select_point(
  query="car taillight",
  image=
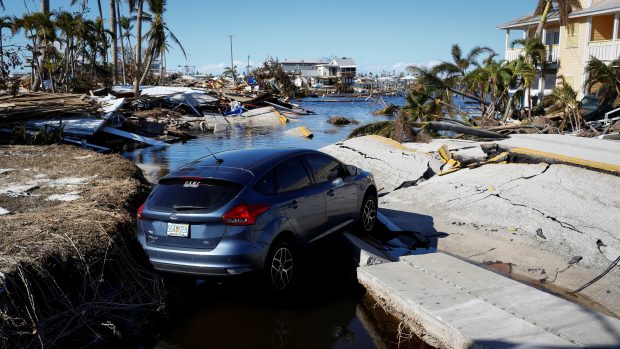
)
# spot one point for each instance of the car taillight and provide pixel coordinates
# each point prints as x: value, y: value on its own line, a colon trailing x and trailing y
x: 244, y: 214
x: 139, y: 215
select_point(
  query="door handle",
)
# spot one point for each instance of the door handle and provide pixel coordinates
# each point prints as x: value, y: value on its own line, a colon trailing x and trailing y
x: 331, y: 192
x: 293, y: 204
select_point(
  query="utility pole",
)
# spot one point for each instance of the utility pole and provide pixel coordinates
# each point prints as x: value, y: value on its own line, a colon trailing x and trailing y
x: 232, y: 65
x: 247, y: 67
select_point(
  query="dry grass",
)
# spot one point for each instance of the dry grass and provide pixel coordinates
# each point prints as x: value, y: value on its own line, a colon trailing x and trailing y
x: 38, y: 228
x: 71, y: 272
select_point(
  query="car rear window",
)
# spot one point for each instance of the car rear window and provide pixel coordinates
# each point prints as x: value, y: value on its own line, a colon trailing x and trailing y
x: 183, y: 195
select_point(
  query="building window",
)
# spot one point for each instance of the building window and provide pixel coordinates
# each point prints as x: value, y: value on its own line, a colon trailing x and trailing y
x: 552, y: 38
x: 550, y: 81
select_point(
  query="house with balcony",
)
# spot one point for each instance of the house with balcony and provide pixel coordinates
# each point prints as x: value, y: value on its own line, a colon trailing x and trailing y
x: 343, y: 70
x: 592, y: 32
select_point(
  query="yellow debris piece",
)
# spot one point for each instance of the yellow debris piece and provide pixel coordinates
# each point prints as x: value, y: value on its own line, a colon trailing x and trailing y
x: 450, y: 165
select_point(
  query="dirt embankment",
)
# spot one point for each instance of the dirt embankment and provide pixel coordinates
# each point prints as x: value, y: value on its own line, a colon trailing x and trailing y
x: 70, y: 268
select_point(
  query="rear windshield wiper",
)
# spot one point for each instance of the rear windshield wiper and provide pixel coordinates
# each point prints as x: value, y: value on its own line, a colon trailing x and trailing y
x: 189, y: 208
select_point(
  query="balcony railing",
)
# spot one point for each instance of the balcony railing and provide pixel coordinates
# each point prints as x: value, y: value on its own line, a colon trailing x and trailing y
x: 605, y: 51
x: 553, y: 54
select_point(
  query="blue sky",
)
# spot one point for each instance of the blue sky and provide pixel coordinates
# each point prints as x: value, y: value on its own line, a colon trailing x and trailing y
x: 378, y: 34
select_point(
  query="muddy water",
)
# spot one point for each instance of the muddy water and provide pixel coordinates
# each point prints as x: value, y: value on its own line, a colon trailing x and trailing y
x: 326, y: 310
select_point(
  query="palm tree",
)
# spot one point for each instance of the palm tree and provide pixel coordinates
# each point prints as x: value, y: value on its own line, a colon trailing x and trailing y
x: 491, y: 80
x: 565, y: 98
x: 104, y: 42
x: 605, y: 77
x: 534, y: 53
x: 139, y: 6
x: 432, y: 77
x: 125, y: 28
x: 158, y: 36
x: 40, y: 28
x: 455, y: 73
x: 230, y: 71
x: 564, y: 8
x: 120, y: 37
x: 113, y: 31
x: 422, y: 103
x: 523, y: 75
x: 460, y: 65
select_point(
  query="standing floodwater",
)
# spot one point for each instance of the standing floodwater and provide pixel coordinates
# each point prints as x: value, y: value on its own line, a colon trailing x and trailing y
x: 241, y: 137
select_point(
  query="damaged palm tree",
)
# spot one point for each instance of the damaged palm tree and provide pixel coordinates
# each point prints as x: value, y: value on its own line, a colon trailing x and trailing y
x: 562, y: 7
x: 604, y: 79
x: 564, y: 97
x: 272, y: 77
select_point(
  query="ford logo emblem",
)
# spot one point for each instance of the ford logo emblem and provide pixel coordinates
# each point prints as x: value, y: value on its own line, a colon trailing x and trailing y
x: 174, y: 217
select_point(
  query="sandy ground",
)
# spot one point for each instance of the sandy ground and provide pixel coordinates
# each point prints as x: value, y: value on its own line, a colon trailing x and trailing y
x: 555, y: 225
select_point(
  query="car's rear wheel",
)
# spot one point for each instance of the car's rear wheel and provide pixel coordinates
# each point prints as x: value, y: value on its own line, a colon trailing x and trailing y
x: 368, y: 213
x: 280, y: 266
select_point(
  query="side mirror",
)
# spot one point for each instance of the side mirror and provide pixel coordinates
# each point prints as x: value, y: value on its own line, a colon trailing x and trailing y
x: 353, y: 171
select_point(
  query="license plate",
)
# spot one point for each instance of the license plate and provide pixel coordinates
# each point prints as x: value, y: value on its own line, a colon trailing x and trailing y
x: 178, y: 230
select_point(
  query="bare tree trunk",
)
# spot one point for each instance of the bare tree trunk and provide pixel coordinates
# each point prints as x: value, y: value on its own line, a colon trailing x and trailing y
x: 543, y: 20
x: 136, y: 81
x: 147, y: 67
x: 1, y: 53
x: 120, y: 35
x: 114, y: 42
x: 38, y: 77
x: 104, y: 43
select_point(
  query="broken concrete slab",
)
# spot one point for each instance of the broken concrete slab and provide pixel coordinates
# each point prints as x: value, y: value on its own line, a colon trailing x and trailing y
x: 68, y: 181
x: 453, y: 304
x: 70, y: 196
x: 4, y: 211
x: 19, y: 189
x: 494, y: 213
x: 390, y: 162
x: 6, y: 170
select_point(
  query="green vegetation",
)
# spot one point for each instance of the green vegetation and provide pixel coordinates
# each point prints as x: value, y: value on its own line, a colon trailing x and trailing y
x: 71, y: 51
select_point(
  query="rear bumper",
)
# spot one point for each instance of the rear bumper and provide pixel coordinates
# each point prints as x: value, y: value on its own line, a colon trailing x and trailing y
x: 228, y: 258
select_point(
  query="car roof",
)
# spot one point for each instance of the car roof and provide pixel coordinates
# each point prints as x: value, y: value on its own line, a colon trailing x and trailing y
x: 237, y: 165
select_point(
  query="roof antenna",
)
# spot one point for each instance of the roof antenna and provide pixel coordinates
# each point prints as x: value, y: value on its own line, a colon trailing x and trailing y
x: 219, y: 161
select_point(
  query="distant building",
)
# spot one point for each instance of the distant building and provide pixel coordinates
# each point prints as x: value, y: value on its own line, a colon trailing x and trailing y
x: 322, y: 73
x: 342, y: 70
x: 303, y: 67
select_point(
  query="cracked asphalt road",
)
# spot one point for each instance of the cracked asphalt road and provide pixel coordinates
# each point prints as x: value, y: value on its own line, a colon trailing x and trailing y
x: 494, y: 213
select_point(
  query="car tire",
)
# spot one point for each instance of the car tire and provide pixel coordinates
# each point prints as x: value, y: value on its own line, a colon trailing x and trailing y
x: 368, y: 214
x: 280, y: 266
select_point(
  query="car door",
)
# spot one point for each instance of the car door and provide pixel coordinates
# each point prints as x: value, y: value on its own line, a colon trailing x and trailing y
x: 339, y: 188
x: 302, y: 203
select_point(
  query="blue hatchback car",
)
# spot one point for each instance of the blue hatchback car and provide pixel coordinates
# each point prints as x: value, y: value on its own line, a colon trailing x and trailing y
x: 241, y: 211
